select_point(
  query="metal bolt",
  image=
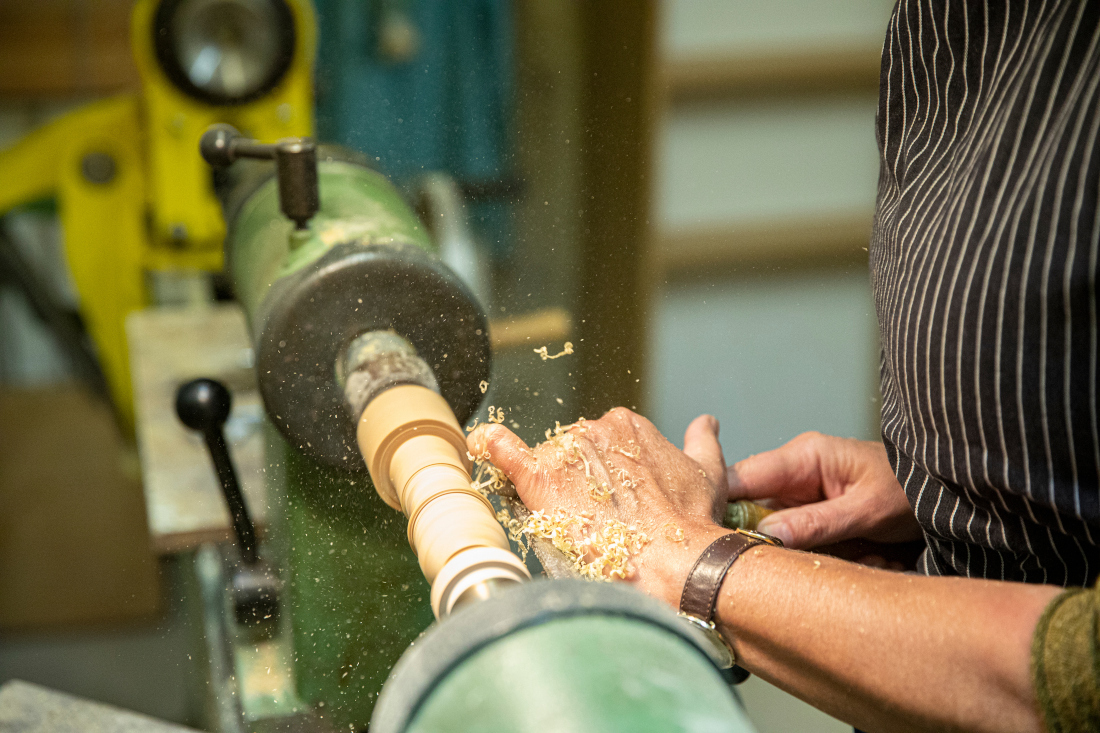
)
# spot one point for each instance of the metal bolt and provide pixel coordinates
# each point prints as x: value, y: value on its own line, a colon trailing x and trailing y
x: 98, y: 168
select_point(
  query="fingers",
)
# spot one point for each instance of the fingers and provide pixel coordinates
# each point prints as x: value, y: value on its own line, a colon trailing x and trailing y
x: 813, y: 525
x: 701, y: 444
x: 792, y: 468
x: 506, y: 450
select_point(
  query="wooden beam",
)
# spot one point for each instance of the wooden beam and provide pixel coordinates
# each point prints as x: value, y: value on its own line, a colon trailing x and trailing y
x: 762, y: 247
x: 619, y: 107
x: 720, y: 78
x: 60, y: 48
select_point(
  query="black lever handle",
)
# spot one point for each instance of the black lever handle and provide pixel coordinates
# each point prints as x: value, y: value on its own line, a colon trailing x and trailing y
x: 203, y: 405
x: 295, y: 163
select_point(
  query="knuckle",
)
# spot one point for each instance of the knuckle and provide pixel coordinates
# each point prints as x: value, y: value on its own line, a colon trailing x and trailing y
x: 810, y: 437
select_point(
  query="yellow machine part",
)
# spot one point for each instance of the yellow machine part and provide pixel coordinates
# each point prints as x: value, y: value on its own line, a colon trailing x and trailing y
x: 158, y: 210
x: 104, y: 223
x: 184, y: 210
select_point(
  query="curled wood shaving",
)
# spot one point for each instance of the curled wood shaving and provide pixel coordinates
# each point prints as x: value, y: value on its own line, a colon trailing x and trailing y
x: 544, y: 354
x: 634, y: 451
x: 599, y: 490
x: 624, y: 478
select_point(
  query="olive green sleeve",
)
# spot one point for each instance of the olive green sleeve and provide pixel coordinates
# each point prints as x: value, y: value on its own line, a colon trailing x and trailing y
x: 1065, y: 662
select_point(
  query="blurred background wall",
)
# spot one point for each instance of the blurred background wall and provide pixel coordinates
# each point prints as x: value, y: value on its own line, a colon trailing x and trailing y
x: 765, y: 185
x: 765, y: 176
x: 85, y: 606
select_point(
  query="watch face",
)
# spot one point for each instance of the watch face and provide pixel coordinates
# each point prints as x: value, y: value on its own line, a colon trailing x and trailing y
x: 721, y: 654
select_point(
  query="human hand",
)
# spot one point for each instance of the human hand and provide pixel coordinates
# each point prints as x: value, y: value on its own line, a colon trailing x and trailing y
x: 828, y: 490
x: 621, y: 469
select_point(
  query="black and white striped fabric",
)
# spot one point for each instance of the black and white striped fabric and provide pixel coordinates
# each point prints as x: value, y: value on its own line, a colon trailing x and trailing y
x: 984, y: 263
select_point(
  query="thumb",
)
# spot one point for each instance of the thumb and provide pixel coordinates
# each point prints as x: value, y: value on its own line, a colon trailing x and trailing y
x: 814, y: 525
x: 789, y: 470
x: 505, y: 450
x: 701, y: 445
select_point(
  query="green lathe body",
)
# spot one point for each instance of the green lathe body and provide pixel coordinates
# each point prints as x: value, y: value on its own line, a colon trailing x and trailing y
x: 356, y: 597
x: 357, y: 204
x: 618, y: 676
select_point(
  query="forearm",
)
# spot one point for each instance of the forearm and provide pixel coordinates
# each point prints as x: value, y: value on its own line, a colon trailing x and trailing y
x: 882, y: 650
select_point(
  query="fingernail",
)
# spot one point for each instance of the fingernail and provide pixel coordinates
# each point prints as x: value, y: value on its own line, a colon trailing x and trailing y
x: 478, y: 441
x: 779, y: 530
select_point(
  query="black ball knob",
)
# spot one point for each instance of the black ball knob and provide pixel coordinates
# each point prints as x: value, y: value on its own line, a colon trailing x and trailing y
x: 216, y: 145
x: 203, y: 404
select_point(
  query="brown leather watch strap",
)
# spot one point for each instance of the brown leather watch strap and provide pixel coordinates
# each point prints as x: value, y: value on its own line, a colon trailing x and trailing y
x: 706, y: 576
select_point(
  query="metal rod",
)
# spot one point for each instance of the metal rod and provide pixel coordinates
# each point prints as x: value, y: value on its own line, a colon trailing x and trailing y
x: 242, y: 522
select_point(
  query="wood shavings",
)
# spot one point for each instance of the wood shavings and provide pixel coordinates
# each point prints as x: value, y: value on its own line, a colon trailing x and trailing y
x: 565, y: 451
x: 556, y: 529
x: 544, y: 353
x: 599, y: 490
x: 673, y: 532
x: 470, y: 428
x: 612, y: 544
x: 615, y: 543
x: 484, y: 386
x: 487, y: 478
x: 624, y: 478
x: 513, y: 527
x: 591, y: 550
x: 560, y: 429
x: 482, y: 456
x: 817, y: 564
x: 634, y: 452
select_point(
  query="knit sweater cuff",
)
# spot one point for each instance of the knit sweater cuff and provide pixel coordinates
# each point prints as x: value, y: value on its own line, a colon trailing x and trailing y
x: 1065, y: 662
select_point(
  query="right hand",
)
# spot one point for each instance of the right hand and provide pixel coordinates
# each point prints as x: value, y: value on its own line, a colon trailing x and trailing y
x: 827, y: 490
x: 675, y: 497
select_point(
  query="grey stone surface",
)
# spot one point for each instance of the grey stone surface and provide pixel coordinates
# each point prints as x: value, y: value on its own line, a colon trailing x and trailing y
x: 27, y: 708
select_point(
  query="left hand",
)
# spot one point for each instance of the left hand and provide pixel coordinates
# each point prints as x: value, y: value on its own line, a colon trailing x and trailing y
x: 675, y: 497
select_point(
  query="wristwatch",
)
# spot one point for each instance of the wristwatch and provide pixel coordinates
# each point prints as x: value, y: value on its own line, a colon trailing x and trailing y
x: 700, y: 594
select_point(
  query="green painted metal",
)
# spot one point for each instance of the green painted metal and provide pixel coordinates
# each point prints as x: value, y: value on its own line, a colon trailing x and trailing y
x: 589, y: 674
x: 357, y: 595
x: 357, y: 204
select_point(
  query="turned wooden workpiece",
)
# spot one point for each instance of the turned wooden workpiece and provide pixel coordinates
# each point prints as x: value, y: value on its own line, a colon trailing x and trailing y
x: 416, y: 453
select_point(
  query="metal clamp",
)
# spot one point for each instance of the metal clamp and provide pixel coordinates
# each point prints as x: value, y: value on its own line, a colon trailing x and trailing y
x: 295, y: 165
